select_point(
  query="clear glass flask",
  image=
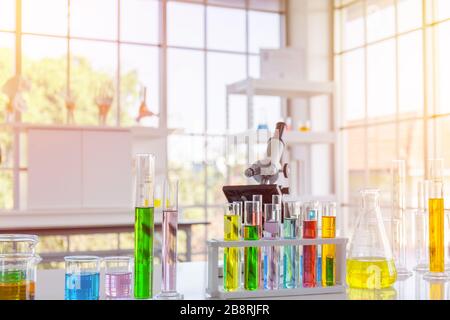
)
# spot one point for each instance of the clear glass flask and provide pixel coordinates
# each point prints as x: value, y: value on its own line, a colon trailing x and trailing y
x: 290, y: 253
x: 232, y: 256
x: 169, y: 245
x: 436, y: 222
x: 144, y: 226
x: 421, y: 227
x: 398, y: 218
x: 118, y: 277
x: 271, y: 255
x: 82, y: 278
x: 252, y: 260
x: 370, y: 264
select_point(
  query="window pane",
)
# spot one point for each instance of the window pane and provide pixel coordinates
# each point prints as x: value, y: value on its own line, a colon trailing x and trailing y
x: 441, y: 128
x: 442, y: 9
x: 217, y: 170
x: 45, y: 65
x: 253, y: 66
x: 139, y: 68
x: 238, y: 114
x: 264, y: 31
x: 353, y: 25
x: 6, y: 190
x: 411, y: 74
x: 226, y: 29
x: 409, y: 14
x: 380, y: 19
x: 266, y: 111
x: 139, y: 21
x: 381, y: 151
x: 45, y: 16
x: 7, y: 57
x: 215, y: 218
x: 7, y: 15
x: 267, y: 5
x: 355, y: 149
x: 185, y: 25
x: 186, y: 85
x: 228, y: 3
x: 186, y: 162
x: 93, y: 73
x: 352, y: 86
x: 443, y: 68
x: 381, y: 80
x: 223, y: 69
x: 93, y: 19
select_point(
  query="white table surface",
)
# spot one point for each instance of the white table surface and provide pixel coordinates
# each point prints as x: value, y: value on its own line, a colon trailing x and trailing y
x: 192, y: 283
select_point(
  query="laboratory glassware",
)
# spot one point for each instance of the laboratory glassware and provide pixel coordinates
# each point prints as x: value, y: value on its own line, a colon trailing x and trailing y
x: 329, y: 250
x: 398, y: 218
x: 421, y: 224
x: 231, y: 256
x: 277, y: 199
x: 290, y: 253
x: 118, y: 277
x: 144, y: 226
x: 370, y: 264
x: 82, y: 278
x: 169, y: 245
x: 436, y: 221
x: 309, y: 274
x: 252, y: 213
x: 259, y: 198
x: 271, y: 254
x: 18, y: 262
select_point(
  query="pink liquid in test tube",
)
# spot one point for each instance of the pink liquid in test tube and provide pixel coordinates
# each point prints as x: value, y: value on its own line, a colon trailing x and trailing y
x: 169, y: 251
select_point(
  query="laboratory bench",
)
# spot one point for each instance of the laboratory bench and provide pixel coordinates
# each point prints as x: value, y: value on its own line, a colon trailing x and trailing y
x: 191, y: 281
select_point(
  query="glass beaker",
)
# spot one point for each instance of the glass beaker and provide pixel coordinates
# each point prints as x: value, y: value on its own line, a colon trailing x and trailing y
x: 18, y: 262
x: 82, y: 278
x: 118, y: 277
x: 370, y: 264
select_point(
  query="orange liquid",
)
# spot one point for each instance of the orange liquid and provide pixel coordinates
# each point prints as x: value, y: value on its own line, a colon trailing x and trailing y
x: 22, y: 290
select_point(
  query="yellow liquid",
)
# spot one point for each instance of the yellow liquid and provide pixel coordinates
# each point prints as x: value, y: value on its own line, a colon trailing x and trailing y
x: 328, y: 252
x: 22, y: 290
x: 157, y: 203
x: 231, y: 255
x: 371, y: 273
x: 436, y: 291
x: 436, y: 225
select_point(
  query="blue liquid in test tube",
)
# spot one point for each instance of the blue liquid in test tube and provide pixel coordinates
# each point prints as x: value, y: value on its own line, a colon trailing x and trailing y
x: 82, y: 286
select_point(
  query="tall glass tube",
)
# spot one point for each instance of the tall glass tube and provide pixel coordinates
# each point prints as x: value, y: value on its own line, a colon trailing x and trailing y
x: 398, y: 219
x: 310, y: 251
x: 271, y: 255
x: 252, y: 213
x: 421, y: 227
x: 259, y: 198
x: 144, y: 227
x: 290, y: 254
x: 329, y: 250
x: 169, y: 245
x: 436, y: 221
x: 231, y: 256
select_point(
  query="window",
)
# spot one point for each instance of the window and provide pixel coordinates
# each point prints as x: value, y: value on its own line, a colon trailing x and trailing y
x: 390, y: 56
x: 81, y: 49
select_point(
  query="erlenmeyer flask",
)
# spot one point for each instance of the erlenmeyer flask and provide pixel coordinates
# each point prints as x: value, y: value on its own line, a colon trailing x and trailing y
x: 370, y: 264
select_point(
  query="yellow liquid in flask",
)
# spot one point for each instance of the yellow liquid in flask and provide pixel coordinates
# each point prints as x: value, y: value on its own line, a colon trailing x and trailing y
x: 371, y: 273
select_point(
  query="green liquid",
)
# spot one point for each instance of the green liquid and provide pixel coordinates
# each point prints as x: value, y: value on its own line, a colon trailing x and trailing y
x: 329, y: 267
x: 12, y: 276
x: 251, y: 259
x: 143, y: 253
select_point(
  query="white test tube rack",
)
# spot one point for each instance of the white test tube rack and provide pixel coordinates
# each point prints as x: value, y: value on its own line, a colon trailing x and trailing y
x: 215, y: 289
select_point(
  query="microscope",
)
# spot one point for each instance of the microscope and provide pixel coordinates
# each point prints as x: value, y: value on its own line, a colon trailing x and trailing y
x: 266, y: 172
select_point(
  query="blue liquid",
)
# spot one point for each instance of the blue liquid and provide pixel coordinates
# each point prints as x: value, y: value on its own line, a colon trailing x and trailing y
x: 82, y: 286
x: 289, y: 254
x: 319, y: 270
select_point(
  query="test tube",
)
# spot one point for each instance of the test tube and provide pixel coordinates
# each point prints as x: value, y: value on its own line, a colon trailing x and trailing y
x: 82, y: 279
x: 272, y: 214
x: 436, y: 221
x: 118, y: 277
x: 398, y: 220
x: 259, y: 198
x: 310, y: 251
x: 252, y: 213
x: 169, y: 244
x: 144, y: 227
x: 231, y: 256
x: 329, y: 250
x: 421, y: 224
x: 290, y: 221
x: 277, y: 199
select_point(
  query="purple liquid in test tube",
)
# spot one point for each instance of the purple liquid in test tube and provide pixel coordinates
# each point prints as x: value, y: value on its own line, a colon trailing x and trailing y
x: 169, y: 245
x: 272, y: 214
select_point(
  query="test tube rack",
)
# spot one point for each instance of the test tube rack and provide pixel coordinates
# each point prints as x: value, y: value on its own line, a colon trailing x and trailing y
x: 215, y: 290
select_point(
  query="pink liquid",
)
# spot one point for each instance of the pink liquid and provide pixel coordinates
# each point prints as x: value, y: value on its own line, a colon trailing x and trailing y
x: 118, y: 285
x: 169, y: 251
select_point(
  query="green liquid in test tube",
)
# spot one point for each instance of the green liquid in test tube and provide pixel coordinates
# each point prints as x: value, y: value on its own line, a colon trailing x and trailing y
x: 144, y: 227
x: 251, y: 254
